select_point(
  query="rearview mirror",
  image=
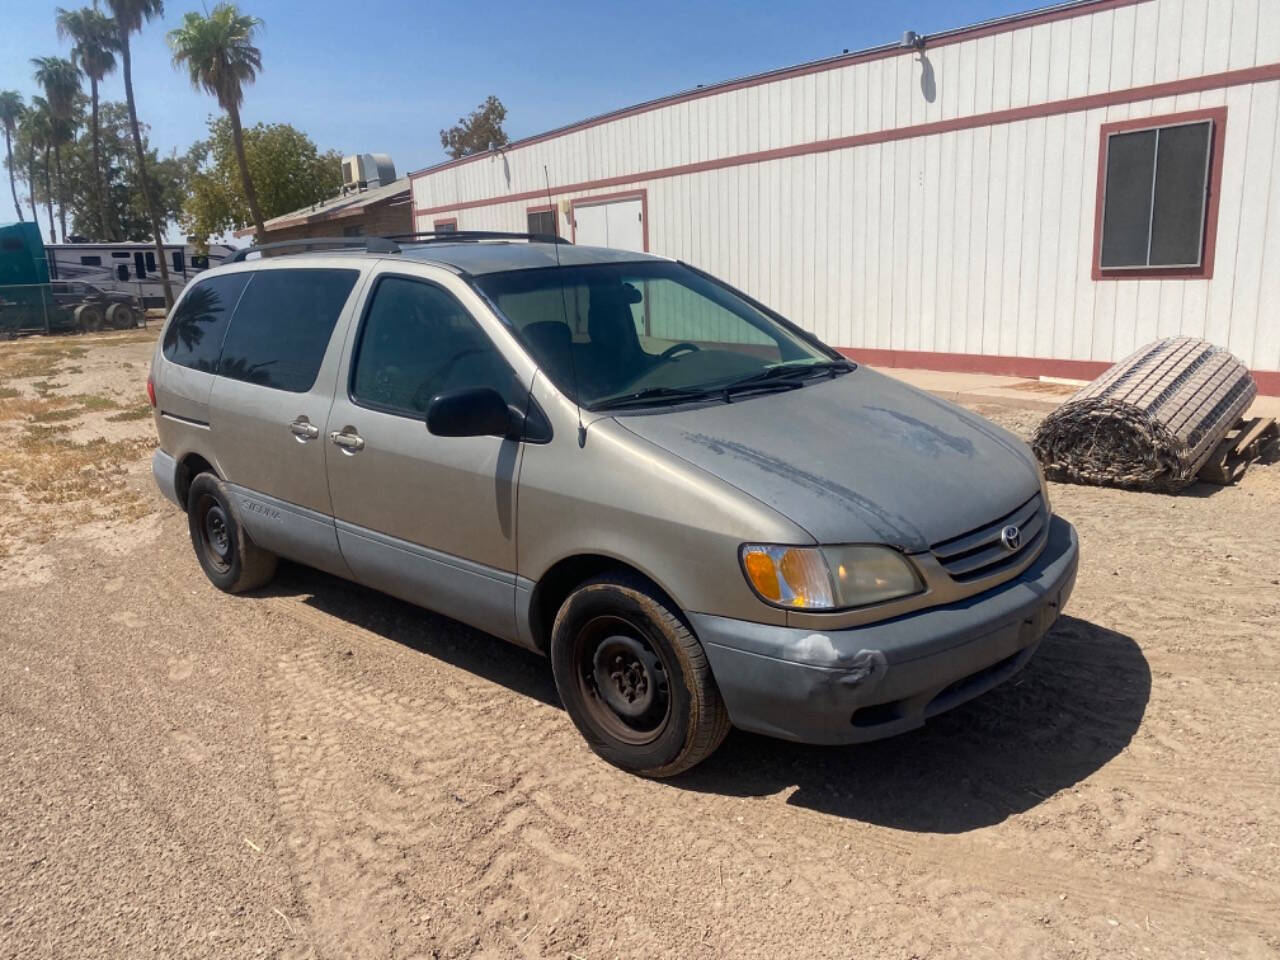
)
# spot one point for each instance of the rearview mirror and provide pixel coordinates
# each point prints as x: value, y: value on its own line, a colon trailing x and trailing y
x: 473, y: 412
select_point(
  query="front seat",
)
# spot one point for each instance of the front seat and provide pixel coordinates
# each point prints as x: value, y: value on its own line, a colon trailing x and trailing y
x: 613, y: 357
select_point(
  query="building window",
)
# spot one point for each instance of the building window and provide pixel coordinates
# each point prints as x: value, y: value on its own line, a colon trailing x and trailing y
x: 178, y: 264
x: 1157, y: 196
x: 151, y: 261
x: 356, y: 231
x: 445, y: 226
x: 91, y: 261
x: 543, y: 222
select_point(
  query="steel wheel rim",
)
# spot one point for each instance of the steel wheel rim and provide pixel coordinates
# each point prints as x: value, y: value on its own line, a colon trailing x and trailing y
x: 215, y: 532
x: 623, y: 679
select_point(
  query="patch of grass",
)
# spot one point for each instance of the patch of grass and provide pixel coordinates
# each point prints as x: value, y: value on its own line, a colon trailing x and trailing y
x: 50, y: 469
x: 8, y: 393
x: 71, y: 371
x: 140, y: 412
x: 43, y: 387
x: 54, y: 416
x: 94, y: 401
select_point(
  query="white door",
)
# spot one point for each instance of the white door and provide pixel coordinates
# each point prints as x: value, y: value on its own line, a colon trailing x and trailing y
x: 618, y: 224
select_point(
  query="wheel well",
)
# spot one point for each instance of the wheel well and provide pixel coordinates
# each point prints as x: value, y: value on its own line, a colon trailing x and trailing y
x: 190, y: 467
x: 557, y: 583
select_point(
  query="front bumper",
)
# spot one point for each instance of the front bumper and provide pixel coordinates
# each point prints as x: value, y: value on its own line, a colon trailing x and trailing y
x: 873, y: 681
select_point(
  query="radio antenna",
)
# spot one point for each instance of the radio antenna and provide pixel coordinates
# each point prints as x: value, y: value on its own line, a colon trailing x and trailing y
x: 564, y: 306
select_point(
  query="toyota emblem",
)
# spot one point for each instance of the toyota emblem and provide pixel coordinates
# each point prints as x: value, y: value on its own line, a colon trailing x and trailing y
x: 1011, y: 537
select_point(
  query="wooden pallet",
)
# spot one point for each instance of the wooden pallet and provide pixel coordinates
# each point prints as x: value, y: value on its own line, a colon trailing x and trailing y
x: 1244, y: 443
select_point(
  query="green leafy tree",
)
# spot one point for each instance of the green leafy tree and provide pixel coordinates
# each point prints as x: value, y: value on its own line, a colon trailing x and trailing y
x: 218, y: 53
x: 60, y: 79
x: 283, y: 163
x: 474, y: 133
x: 35, y: 137
x: 93, y: 36
x: 129, y: 16
x: 11, y: 110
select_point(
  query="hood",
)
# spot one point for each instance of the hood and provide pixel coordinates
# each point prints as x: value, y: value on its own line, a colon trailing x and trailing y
x: 860, y: 458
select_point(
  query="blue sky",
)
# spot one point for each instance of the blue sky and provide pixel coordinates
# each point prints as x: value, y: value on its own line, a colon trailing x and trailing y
x: 387, y: 75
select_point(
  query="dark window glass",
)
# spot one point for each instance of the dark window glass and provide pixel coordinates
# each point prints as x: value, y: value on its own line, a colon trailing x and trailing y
x: 283, y: 325
x: 356, y: 231
x: 177, y: 261
x: 194, y: 335
x: 122, y: 272
x: 91, y: 261
x: 120, y: 254
x: 1155, y: 200
x: 543, y: 222
x: 445, y: 226
x: 151, y: 261
x: 417, y: 341
x: 200, y: 262
x: 139, y: 266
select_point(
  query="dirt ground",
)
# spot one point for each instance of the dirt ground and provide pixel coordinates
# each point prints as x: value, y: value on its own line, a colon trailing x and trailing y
x: 319, y: 771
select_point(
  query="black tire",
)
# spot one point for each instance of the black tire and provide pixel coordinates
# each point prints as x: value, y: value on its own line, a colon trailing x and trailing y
x: 634, y: 679
x: 231, y: 560
x: 89, y: 317
x: 120, y: 316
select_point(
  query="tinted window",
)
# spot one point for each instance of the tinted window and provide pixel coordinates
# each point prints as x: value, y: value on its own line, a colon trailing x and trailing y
x: 417, y: 341
x: 177, y: 261
x: 151, y: 261
x: 122, y: 272
x: 194, y: 335
x: 282, y: 327
x: 91, y: 261
x: 1156, y: 195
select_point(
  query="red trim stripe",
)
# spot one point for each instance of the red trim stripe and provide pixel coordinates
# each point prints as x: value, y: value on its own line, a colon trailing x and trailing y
x: 1030, y: 367
x: 1153, y: 91
x: 1017, y: 21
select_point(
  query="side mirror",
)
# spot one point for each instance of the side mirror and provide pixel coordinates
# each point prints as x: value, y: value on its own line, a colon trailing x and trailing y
x: 473, y: 412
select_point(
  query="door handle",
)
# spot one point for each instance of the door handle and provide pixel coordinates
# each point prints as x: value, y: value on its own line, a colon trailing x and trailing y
x: 304, y: 429
x: 349, y: 442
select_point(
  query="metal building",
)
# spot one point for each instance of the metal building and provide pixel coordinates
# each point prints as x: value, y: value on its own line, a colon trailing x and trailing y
x: 1034, y: 195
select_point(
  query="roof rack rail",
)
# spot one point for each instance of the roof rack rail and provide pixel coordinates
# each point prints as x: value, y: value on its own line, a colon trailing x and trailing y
x: 453, y: 236
x: 370, y: 245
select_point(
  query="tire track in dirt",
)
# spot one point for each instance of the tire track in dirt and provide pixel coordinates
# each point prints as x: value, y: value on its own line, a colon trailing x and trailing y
x: 524, y: 816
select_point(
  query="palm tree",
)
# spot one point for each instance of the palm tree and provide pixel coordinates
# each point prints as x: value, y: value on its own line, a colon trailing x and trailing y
x: 37, y: 130
x: 61, y: 81
x: 129, y: 18
x: 94, y: 41
x: 220, y: 57
x: 11, y: 110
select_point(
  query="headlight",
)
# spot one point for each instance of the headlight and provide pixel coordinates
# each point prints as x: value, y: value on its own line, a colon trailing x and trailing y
x: 828, y: 578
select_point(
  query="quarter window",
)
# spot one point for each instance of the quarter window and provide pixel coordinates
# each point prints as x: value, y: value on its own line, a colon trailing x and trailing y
x: 282, y: 327
x: 1156, y: 196
x: 417, y: 342
x: 194, y: 335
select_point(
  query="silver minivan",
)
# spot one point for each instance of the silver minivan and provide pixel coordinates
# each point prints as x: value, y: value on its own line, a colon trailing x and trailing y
x: 701, y: 513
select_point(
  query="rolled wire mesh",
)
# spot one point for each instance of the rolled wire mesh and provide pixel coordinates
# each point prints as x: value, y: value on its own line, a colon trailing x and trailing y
x: 1149, y: 422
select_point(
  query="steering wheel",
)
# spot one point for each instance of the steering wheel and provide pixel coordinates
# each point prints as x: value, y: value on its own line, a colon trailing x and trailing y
x: 424, y: 394
x: 677, y: 348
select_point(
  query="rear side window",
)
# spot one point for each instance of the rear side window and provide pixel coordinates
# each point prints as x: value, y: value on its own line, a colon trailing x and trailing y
x: 282, y: 327
x: 194, y: 335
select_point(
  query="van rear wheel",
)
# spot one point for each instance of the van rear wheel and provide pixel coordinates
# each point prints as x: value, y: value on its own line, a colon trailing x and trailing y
x: 230, y: 559
x: 634, y: 679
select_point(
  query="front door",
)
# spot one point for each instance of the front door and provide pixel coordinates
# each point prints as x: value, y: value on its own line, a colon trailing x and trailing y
x: 425, y: 518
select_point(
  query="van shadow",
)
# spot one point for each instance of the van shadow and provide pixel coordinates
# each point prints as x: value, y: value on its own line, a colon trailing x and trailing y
x: 1074, y: 707
x: 415, y: 628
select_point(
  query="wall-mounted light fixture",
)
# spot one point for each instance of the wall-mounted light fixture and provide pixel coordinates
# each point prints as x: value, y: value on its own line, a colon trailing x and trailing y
x: 912, y: 40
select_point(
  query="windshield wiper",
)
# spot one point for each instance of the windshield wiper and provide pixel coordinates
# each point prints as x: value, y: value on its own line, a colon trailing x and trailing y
x: 788, y: 374
x: 652, y: 396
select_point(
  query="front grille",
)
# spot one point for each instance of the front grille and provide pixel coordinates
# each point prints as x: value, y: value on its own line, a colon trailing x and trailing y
x: 981, y: 553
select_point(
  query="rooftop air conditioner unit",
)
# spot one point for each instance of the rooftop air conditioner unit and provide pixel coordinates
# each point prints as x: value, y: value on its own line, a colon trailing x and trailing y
x: 363, y: 171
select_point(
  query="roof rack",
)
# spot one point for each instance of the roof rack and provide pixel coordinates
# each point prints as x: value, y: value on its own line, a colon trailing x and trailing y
x: 370, y: 245
x: 466, y: 236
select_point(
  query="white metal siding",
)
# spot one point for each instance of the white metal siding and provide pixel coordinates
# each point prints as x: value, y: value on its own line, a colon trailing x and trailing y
x: 977, y: 240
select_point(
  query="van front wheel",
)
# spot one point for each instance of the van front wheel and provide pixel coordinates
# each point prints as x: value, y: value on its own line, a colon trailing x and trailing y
x: 634, y: 679
x: 231, y: 560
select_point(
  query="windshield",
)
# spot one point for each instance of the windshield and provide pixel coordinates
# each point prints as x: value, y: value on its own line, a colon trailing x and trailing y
x: 606, y: 331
